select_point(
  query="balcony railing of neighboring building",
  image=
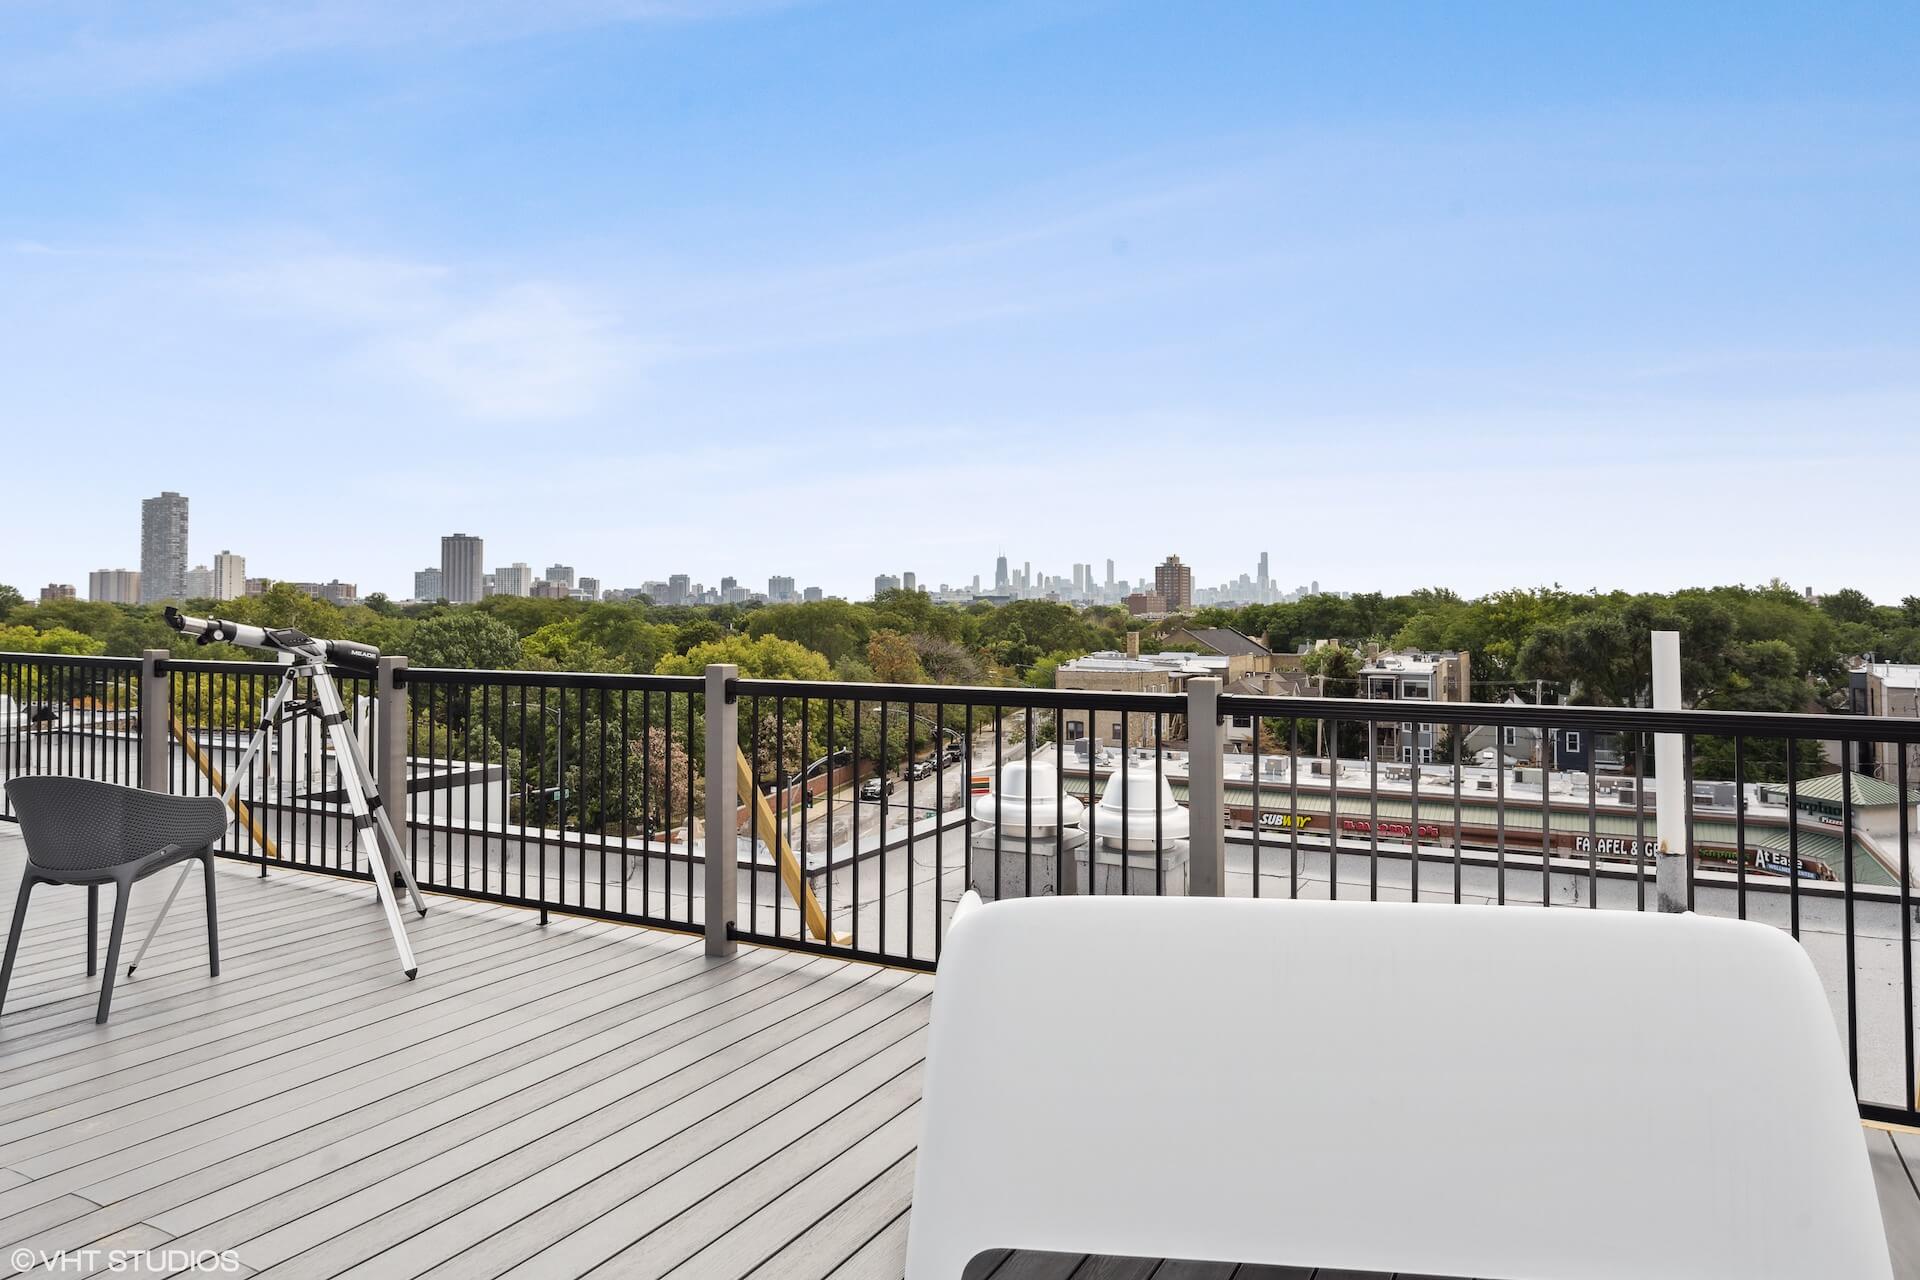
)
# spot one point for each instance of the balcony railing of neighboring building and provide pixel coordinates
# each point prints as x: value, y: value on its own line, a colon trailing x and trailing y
x: 851, y: 817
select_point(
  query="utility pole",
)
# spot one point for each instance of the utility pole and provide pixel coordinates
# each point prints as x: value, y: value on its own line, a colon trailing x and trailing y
x: 1320, y: 726
x: 1546, y: 755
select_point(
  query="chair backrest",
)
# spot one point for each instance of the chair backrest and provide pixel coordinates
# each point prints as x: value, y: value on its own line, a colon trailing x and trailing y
x: 1471, y: 1091
x: 79, y: 824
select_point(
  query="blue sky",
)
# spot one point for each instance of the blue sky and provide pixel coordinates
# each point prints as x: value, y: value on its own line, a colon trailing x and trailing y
x: 1472, y: 295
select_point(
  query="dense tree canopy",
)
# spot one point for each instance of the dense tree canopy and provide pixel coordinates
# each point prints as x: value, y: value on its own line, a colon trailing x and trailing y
x: 1744, y: 648
x: 1747, y: 648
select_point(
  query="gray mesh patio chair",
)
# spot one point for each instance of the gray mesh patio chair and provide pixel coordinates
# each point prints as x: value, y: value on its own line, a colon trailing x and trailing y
x: 79, y: 831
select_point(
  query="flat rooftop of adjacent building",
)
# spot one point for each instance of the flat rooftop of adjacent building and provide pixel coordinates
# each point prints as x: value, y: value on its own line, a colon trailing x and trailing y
x: 1898, y: 675
x: 1166, y: 660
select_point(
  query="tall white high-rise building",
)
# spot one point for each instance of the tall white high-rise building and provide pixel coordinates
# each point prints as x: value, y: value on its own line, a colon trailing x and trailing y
x: 589, y: 589
x: 163, y: 548
x: 462, y: 577
x: 428, y: 584
x: 561, y: 574
x: 114, y: 586
x: 515, y: 579
x: 229, y: 576
x: 199, y: 583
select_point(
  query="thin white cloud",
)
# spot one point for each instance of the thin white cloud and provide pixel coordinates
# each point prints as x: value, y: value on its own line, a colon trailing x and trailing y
x: 532, y: 351
x: 108, y: 47
x: 528, y: 349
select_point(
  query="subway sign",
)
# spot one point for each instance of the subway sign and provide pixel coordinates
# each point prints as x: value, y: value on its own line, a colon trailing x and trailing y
x: 1285, y: 821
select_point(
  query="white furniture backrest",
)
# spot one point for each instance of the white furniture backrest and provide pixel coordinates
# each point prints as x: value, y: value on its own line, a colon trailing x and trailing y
x: 1470, y: 1091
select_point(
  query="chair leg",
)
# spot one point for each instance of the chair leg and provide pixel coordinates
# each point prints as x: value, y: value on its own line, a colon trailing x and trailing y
x: 13, y: 935
x: 93, y: 929
x: 113, y: 948
x: 213, y: 923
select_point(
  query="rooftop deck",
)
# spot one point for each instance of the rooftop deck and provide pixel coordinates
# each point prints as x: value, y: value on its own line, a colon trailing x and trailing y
x: 583, y: 1098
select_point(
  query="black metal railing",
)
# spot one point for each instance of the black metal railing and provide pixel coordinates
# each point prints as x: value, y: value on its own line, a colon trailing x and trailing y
x: 1460, y: 826
x: 290, y: 809
x: 865, y: 811
x: 559, y: 791
x: 872, y: 823
x: 76, y: 716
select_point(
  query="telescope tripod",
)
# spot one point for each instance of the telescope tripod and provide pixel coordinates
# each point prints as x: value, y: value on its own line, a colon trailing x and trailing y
x: 372, y: 829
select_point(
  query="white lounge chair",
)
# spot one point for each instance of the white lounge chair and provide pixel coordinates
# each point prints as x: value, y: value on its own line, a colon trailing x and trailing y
x: 1467, y: 1091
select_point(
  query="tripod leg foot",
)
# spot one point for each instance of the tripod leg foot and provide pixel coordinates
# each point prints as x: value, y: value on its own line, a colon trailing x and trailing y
x: 412, y: 974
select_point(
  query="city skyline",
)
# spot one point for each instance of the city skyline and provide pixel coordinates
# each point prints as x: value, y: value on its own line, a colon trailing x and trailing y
x: 165, y: 547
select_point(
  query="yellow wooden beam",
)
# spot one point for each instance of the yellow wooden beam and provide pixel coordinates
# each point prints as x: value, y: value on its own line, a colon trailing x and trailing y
x: 790, y: 873
x: 212, y: 772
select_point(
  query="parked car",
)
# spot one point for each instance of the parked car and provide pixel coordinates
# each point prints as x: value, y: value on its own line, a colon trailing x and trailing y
x: 953, y: 753
x: 923, y: 769
x: 874, y: 788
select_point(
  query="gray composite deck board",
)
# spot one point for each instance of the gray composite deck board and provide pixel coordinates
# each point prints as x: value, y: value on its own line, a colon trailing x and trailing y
x: 579, y: 1098
x: 318, y: 1114
x: 1899, y: 1201
x: 330, y: 1237
x: 878, y: 1259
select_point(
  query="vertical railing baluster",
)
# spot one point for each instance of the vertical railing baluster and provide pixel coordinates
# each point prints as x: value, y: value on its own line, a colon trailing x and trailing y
x: 1740, y: 825
x: 1373, y: 809
x: 1293, y: 806
x: 1500, y: 813
x: 1846, y: 860
x: 1640, y: 854
x: 1413, y: 818
x: 1910, y: 1099
x: 1333, y: 809
x: 1459, y: 731
x: 1793, y: 838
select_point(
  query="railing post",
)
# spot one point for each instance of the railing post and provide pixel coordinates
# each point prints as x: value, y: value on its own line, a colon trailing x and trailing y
x: 155, y: 707
x: 723, y: 810
x: 1672, y: 864
x: 1206, y: 791
x: 391, y: 720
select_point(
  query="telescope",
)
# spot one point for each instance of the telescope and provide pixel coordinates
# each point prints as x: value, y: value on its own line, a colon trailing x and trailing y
x: 373, y: 830
x: 361, y: 659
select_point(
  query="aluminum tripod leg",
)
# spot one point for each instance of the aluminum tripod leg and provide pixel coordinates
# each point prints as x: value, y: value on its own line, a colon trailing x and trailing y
x: 260, y: 735
x: 186, y: 869
x: 376, y: 805
x: 267, y: 720
x: 367, y: 829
